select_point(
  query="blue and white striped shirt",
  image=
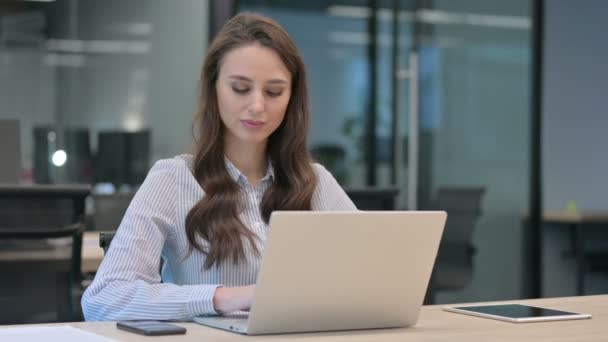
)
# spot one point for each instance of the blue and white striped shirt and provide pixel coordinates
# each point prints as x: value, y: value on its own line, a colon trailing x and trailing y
x: 128, y: 284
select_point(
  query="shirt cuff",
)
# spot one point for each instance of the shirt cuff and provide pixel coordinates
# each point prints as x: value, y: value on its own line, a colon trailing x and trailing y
x: 201, y: 300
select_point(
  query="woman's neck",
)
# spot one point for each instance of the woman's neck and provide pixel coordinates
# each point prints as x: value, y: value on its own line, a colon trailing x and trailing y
x: 249, y: 159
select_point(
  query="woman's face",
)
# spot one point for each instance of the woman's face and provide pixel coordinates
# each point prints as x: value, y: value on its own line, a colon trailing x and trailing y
x: 253, y: 89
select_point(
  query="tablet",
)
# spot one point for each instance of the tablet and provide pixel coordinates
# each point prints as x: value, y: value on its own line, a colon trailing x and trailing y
x: 517, y: 313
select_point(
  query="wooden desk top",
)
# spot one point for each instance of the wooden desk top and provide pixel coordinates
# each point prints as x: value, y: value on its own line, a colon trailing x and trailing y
x: 434, y: 325
x: 92, y: 254
x: 575, y: 218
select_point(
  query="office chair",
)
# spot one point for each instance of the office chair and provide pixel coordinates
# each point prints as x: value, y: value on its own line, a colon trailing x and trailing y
x: 454, y: 264
x: 105, y: 239
x: 10, y: 151
x: 373, y: 198
x: 594, y: 256
x: 110, y: 209
x: 333, y: 157
x: 41, y: 241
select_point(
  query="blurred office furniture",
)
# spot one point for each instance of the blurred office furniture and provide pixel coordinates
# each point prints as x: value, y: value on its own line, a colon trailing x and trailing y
x: 109, y: 209
x: 333, y: 158
x: 587, y: 259
x: 91, y: 255
x: 122, y: 157
x: 105, y: 239
x: 454, y: 264
x: 41, y: 239
x: 10, y: 151
x: 373, y: 198
x: 78, y: 167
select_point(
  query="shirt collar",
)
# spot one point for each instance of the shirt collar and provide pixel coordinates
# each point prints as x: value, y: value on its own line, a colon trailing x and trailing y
x: 236, y: 174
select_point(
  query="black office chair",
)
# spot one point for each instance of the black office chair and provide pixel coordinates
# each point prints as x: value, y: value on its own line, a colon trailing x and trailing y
x: 105, y: 239
x: 110, y: 209
x: 333, y: 157
x: 594, y: 253
x: 40, y: 254
x: 373, y: 198
x: 454, y: 264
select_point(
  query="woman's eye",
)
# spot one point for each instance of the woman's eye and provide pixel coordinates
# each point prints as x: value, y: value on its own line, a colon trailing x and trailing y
x: 240, y: 90
x: 274, y: 93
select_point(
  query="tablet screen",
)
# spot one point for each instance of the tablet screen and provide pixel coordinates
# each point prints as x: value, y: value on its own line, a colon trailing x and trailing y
x: 515, y: 311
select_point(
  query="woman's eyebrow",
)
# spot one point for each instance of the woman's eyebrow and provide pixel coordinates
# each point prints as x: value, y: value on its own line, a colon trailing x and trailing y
x: 247, y: 79
x: 240, y: 78
x: 277, y: 81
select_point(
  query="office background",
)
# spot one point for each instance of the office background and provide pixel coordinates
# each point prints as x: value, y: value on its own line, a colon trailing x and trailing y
x: 86, y: 77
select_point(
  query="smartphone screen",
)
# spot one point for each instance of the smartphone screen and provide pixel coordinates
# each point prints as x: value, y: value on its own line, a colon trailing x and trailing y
x: 151, y: 328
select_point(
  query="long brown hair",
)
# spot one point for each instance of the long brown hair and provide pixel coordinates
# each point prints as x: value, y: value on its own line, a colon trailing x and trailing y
x: 215, y: 217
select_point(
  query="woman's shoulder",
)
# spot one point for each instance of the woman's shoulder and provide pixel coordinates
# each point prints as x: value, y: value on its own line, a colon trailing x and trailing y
x: 184, y: 160
x: 179, y: 163
x: 319, y: 168
x: 321, y: 171
x: 172, y: 175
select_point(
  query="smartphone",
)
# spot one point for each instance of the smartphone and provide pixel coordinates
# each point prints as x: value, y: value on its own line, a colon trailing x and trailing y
x: 151, y: 328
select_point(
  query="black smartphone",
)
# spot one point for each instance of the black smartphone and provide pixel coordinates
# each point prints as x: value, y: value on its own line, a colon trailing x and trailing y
x: 151, y: 328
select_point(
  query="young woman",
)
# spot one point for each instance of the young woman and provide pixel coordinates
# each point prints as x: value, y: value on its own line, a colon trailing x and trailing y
x: 207, y: 214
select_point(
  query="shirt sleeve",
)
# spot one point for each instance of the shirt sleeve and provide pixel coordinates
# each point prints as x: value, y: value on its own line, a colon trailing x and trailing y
x: 128, y: 283
x: 329, y: 195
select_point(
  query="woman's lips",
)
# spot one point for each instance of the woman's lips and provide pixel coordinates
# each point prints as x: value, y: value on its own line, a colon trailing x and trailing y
x: 252, y: 123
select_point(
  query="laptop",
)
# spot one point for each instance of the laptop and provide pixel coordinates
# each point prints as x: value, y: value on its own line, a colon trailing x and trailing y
x: 326, y: 271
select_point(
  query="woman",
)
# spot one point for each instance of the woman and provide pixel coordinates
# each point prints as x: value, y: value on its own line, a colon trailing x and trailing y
x: 207, y: 215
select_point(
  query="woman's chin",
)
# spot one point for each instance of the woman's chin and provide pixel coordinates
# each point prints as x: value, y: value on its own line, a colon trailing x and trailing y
x: 254, y: 139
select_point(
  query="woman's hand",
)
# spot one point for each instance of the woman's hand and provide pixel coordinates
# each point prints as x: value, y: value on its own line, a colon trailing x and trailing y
x: 227, y: 299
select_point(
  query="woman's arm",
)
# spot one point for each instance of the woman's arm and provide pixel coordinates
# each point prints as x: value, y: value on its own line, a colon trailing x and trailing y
x: 127, y: 285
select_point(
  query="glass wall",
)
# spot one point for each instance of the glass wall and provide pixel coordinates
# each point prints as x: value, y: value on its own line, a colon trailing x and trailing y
x: 110, y: 83
x: 474, y: 130
x: 112, y: 86
x: 468, y: 149
x: 335, y: 52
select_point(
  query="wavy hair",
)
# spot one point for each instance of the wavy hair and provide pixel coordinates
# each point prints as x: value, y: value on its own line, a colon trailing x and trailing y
x: 215, y: 218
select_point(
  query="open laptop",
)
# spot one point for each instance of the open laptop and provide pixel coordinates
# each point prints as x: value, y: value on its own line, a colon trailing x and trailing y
x: 325, y: 271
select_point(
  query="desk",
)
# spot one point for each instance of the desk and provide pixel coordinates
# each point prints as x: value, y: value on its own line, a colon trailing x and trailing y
x: 92, y: 254
x: 576, y: 221
x: 433, y: 325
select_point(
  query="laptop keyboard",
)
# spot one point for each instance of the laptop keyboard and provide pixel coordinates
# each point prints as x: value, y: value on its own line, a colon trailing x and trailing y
x: 235, y: 321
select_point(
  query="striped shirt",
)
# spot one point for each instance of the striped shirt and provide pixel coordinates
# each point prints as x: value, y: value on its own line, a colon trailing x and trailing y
x: 128, y: 282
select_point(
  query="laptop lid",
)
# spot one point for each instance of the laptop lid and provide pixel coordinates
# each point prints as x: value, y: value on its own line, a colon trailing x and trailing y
x: 326, y: 271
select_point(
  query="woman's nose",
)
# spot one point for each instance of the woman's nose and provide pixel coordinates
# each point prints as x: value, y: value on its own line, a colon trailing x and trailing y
x: 257, y: 104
